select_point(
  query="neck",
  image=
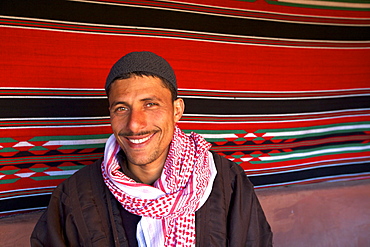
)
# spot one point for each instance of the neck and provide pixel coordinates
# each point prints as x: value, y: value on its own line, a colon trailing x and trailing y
x: 146, y: 173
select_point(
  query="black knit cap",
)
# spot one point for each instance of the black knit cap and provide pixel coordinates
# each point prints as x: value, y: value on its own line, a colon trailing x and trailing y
x: 143, y: 61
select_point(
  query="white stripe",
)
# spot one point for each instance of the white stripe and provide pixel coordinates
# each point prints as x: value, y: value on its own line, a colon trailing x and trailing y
x: 52, y: 88
x: 280, y: 115
x: 60, y: 173
x: 285, y: 97
x: 52, y: 97
x: 268, y: 121
x: 188, y: 97
x: 229, y: 15
x: 245, y: 159
x: 75, y: 142
x: 22, y: 210
x: 185, y: 31
x: 53, y: 118
x: 327, y: 3
x: 26, y: 189
x: 273, y: 98
x: 318, y: 130
x: 26, y: 195
x: 194, y: 115
x: 24, y: 174
x: 336, y: 178
x: 198, y: 90
x: 272, y: 92
x: 314, y: 153
x: 23, y: 144
x: 348, y: 160
x: 300, y: 167
x: 57, y: 126
x: 204, y: 40
x: 216, y: 136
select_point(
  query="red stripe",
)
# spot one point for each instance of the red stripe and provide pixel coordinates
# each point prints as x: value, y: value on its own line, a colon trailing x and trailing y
x: 26, y: 134
x: 251, y: 127
x: 295, y: 162
x: 250, y: 6
x: 87, y: 58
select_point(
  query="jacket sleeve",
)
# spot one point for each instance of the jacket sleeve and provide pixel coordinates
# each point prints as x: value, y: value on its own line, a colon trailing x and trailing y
x: 55, y: 227
x: 81, y: 212
x: 247, y: 223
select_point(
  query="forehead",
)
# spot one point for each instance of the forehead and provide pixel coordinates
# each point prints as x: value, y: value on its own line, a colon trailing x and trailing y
x: 138, y: 85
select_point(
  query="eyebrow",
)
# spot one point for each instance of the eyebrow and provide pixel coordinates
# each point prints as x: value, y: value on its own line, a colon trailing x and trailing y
x: 153, y: 98
x: 118, y: 103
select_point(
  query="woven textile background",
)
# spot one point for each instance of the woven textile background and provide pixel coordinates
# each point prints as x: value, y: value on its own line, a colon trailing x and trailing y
x: 280, y: 87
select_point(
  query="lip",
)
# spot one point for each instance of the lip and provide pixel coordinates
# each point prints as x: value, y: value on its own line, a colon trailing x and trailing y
x: 139, y: 141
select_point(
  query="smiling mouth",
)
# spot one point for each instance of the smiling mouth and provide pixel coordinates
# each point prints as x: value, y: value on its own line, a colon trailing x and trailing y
x: 135, y: 139
x: 138, y: 141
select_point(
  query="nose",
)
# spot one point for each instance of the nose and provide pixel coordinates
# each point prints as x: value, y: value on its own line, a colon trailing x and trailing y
x: 136, y: 121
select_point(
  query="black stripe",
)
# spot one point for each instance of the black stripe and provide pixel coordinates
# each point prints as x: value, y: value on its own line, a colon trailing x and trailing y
x: 143, y: 17
x: 230, y: 107
x: 28, y: 108
x: 43, y: 200
x: 26, y: 162
x: 24, y: 203
x: 33, y: 108
x: 248, y: 147
x: 309, y: 174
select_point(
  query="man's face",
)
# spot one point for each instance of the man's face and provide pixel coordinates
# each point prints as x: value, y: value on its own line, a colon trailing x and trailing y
x: 143, y: 118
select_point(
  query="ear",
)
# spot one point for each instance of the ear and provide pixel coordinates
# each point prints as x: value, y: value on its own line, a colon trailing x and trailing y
x: 179, y: 107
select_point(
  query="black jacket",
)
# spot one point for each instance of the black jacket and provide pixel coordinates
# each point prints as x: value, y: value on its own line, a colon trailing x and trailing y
x: 83, y: 212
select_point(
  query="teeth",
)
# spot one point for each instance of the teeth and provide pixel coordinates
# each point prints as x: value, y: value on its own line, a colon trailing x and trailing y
x: 138, y: 141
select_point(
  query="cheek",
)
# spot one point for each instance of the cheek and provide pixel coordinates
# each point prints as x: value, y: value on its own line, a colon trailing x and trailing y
x: 116, y: 123
x: 166, y: 122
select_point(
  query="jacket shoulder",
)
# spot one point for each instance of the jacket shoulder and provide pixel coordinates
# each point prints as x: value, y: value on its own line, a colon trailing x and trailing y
x: 229, y: 170
x: 80, y: 212
x: 82, y: 178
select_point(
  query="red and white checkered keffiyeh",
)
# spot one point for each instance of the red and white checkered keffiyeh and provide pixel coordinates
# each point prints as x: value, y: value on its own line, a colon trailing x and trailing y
x: 167, y: 208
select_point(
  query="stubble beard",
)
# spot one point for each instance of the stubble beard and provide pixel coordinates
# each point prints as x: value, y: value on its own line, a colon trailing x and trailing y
x: 142, y: 161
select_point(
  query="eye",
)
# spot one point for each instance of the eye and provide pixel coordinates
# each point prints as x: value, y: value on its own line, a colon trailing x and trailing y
x: 120, y: 109
x: 151, y: 104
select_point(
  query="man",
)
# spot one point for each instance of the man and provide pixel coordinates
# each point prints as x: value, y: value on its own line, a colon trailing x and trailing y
x: 155, y: 185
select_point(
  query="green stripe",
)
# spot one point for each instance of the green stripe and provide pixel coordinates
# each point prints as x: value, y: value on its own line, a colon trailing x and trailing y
x: 321, y: 149
x: 66, y: 138
x: 38, y: 169
x: 50, y: 159
x: 9, y: 172
x: 43, y: 178
x: 8, y: 150
x: 325, y: 153
x: 84, y: 146
x: 361, y: 128
x: 312, y: 127
x: 7, y: 140
x: 43, y: 123
x: 68, y: 168
x: 316, y: 6
x: 38, y: 148
x: 345, y: 1
x: 53, y: 93
x: 9, y: 181
x: 215, y: 140
x: 216, y: 131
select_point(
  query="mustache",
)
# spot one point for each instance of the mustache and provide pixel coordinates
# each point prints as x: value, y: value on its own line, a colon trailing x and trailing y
x: 131, y: 133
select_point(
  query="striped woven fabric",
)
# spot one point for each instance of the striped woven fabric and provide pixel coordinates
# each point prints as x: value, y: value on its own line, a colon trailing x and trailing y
x: 280, y: 87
